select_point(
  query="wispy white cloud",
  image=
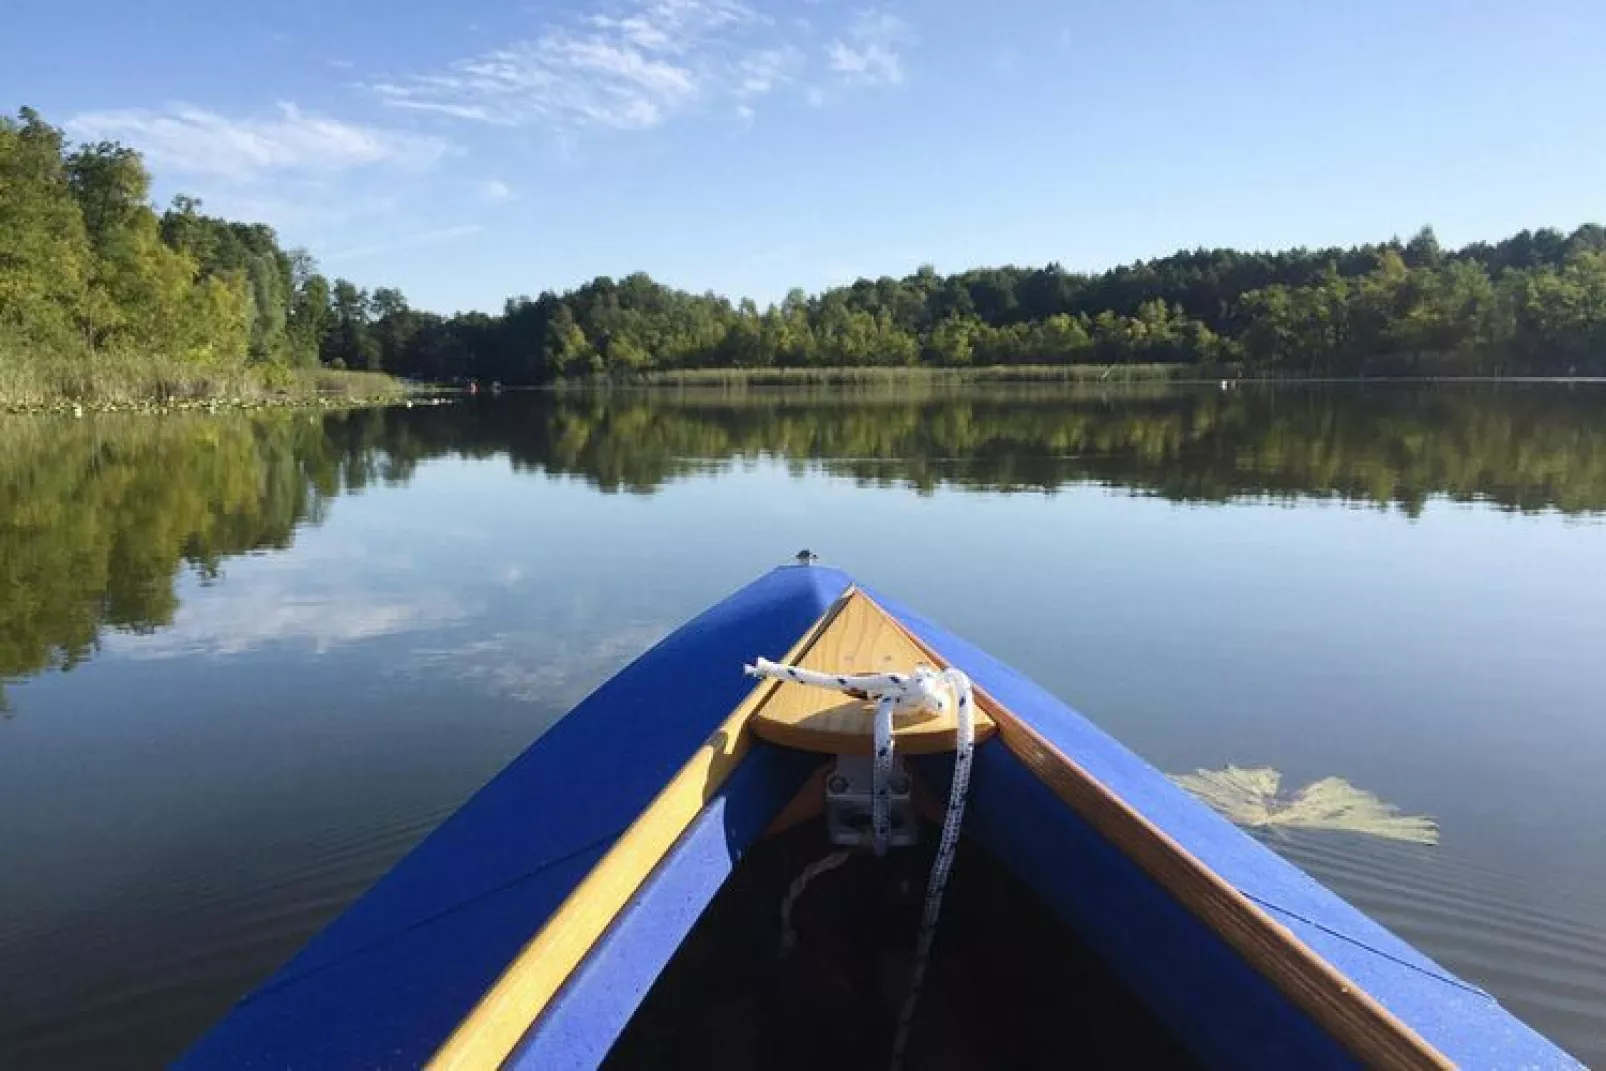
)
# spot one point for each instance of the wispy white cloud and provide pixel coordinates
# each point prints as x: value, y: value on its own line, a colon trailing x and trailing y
x: 406, y: 241
x: 306, y: 209
x: 675, y: 26
x: 189, y: 140
x: 625, y: 71
x: 764, y: 70
x: 495, y: 190
x: 868, y: 53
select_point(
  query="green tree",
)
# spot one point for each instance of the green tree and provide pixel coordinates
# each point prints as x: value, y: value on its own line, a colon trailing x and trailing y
x: 953, y: 341
x: 139, y: 288
x: 394, y: 324
x: 568, y: 350
x: 44, y: 252
x: 309, y: 318
x: 1423, y: 250
x: 350, y: 339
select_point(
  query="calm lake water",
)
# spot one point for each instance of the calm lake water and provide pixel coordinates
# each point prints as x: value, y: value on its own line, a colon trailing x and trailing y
x: 249, y: 660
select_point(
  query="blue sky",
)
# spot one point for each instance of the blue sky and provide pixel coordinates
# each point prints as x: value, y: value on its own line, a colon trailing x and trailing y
x: 469, y: 151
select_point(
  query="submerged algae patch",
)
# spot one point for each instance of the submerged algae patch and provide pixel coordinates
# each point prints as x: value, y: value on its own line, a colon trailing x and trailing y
x: 1250, y: 797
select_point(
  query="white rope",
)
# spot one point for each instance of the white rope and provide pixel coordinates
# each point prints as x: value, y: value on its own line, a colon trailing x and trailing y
x: 881, y: 775
x: 965, y: 748
x: 810, y: 872
x: 922, y: 689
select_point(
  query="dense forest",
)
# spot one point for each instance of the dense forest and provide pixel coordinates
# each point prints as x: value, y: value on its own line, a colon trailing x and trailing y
x: 90, y: 274
x: 98, y: 517
x: 1532, y: 304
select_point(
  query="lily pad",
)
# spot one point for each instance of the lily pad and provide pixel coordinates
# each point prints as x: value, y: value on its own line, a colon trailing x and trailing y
x: 1250, y: 797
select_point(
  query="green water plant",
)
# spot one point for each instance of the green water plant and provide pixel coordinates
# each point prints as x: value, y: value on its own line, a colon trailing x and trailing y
x: 1251, y: 798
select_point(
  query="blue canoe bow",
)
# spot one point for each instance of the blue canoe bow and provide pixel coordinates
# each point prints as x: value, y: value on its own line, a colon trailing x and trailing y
x: 530, y: 928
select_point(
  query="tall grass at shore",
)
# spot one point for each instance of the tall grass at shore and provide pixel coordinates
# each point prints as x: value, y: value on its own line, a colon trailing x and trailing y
x: 39, y: 380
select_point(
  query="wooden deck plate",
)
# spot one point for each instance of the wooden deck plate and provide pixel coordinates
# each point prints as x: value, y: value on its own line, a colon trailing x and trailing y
x: 861, y: 639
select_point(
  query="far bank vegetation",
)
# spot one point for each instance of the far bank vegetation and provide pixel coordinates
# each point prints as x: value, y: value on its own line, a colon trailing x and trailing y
x: 102, y: 297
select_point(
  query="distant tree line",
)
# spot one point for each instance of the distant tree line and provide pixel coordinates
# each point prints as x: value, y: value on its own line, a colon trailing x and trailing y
x: 88, y: 268
x: 1532, y: 304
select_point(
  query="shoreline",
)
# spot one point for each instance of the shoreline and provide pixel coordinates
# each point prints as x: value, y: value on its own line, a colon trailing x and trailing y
x: 861, y: 375
x: 1021, y: 375
x: 339, y: 389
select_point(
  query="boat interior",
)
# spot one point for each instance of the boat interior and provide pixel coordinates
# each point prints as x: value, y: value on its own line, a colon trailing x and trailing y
x: 1007, y: 986
x: 822, y: 985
